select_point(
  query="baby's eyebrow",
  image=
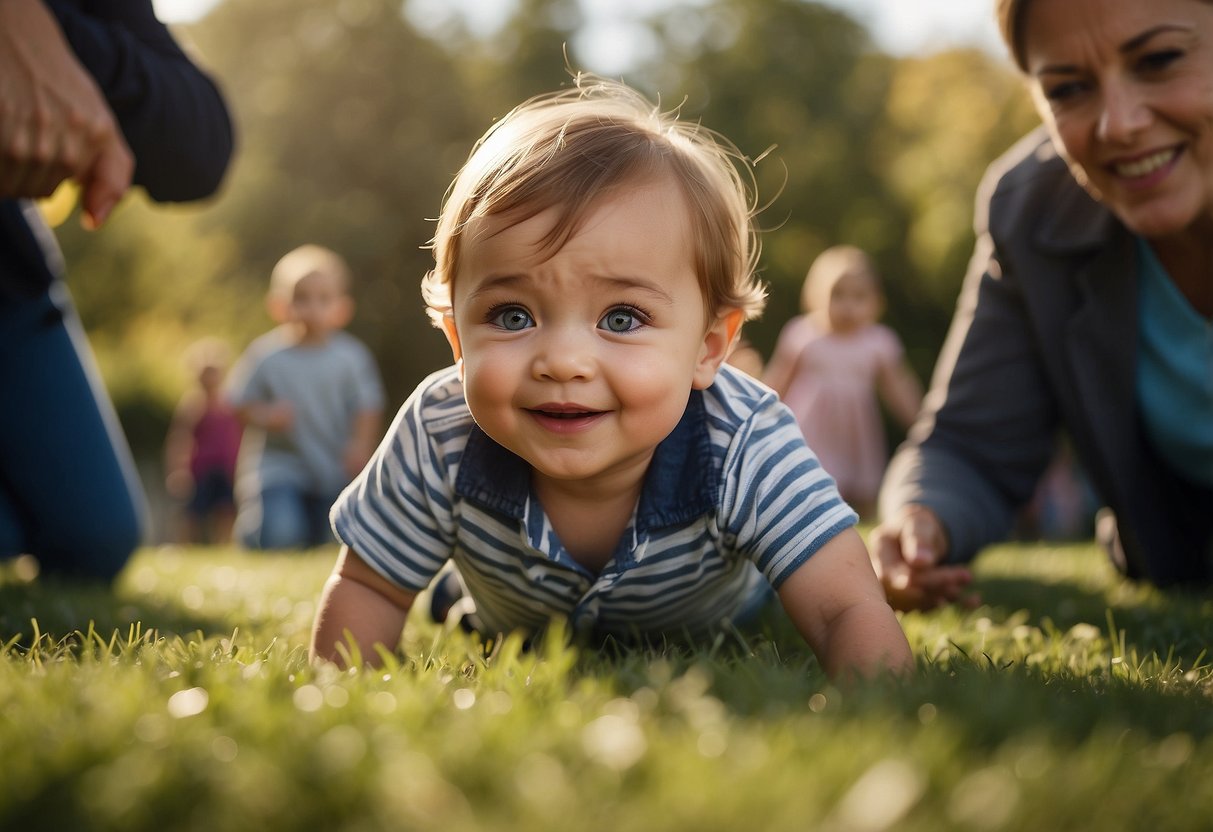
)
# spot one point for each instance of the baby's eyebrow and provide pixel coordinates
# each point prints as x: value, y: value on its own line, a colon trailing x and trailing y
x: 622, y: 283
x: 497, y: 282
x: 651, y: 287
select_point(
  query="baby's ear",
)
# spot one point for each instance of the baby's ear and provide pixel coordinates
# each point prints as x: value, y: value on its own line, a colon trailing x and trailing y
x: 452, y: 336
x: 717, y: 342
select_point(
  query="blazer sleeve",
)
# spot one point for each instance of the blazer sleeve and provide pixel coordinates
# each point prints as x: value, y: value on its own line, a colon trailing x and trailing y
x: 989, y: 421
x: 172, y: 113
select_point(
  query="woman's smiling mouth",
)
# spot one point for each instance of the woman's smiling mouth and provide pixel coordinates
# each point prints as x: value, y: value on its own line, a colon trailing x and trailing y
x: 1144, y: 166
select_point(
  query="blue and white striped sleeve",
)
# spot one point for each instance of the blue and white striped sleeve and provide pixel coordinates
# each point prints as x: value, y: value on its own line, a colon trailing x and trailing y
x: 397, y: 515
x: 779, y: 506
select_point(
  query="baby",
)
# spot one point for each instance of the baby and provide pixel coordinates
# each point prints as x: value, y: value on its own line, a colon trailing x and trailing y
x: 590, y: 456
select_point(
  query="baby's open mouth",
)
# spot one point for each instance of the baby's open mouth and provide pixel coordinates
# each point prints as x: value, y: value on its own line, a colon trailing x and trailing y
x: 565, y: 414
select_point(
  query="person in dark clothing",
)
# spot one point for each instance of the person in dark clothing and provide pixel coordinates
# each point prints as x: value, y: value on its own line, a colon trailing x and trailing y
x: 1088, y: 307
x: 98, y: 92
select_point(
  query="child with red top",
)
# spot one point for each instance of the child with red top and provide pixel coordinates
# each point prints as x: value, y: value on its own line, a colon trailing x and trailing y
x: 200, y: 452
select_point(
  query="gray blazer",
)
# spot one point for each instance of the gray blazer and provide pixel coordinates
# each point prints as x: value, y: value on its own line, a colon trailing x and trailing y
x: 1045, y: 338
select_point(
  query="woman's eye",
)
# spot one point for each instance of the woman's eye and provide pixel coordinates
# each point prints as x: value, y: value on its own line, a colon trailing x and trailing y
x: 1058, y: 93
x: 512, y: 318
x: 1154, y: 61
x: 620, y: 319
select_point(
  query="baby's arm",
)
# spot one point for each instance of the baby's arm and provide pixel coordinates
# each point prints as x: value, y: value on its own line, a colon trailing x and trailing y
x: 840, y: 608
x: 358, y: 599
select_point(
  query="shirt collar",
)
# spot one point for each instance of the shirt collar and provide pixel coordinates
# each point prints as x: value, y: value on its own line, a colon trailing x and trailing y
x: 680, y: 485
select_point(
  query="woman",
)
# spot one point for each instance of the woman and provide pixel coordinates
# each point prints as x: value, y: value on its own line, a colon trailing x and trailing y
x: 1088, y: 308
x: 97, y: 92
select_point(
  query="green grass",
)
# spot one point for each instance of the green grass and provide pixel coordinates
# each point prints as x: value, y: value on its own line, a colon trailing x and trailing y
x: 183, y: 700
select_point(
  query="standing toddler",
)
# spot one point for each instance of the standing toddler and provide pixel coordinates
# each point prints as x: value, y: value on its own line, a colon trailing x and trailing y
x: 311, y: 400
x: 201, y: 447
x: 831, y: 362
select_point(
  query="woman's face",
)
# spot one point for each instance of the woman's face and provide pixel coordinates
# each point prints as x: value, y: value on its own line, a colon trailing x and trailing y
x: 1126, y: 89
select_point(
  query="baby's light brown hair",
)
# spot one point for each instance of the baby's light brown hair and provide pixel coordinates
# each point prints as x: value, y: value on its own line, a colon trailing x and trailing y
x: 566, y: 149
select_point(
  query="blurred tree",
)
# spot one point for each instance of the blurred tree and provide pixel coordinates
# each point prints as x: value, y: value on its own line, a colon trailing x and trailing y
x: 946, y: 117
x: 865, y: 149
x: 534, y: 52
x: 352, y: 122
x: 800, y: 88
x: 353, y: 125
x: 350, y: 126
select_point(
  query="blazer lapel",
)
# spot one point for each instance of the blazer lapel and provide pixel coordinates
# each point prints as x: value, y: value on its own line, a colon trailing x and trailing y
x: 1100, y: 338
x: 1101, y: 347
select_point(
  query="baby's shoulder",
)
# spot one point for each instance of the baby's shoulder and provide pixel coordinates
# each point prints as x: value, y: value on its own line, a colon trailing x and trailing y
x: 735, y: 397
x: 438, y: 407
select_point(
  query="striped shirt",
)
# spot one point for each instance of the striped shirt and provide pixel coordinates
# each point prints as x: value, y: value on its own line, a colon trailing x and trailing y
x: 732, y: 504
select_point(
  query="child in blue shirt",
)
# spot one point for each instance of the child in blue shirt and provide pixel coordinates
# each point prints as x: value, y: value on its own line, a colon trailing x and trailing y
x: 311, y: 400
x: 589, y: 457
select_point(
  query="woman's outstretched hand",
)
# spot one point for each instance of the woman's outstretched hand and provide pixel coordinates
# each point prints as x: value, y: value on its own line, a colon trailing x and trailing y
x: 908, y: 553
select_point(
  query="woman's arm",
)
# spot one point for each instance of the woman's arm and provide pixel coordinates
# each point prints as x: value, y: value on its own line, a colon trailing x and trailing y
x: 55, y: 123
x: 171, y: 113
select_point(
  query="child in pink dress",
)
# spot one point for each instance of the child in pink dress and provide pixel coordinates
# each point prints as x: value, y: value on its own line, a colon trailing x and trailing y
x: 201, y: 447
x: 830, y: 363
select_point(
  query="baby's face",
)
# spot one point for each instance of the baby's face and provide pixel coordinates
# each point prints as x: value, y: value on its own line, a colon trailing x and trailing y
x: 582, y: 360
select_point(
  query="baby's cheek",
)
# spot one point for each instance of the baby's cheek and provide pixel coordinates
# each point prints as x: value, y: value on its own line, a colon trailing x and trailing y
x: 489, y: 390
x: 654, y: 400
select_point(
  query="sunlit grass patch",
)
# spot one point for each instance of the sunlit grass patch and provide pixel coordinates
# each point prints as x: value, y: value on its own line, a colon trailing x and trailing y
x: 183, y: 699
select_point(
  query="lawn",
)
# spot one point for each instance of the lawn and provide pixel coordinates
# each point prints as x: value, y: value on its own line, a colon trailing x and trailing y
x: 183, y: 700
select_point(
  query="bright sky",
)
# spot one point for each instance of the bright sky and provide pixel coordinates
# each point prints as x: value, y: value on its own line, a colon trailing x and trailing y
x: 903, y: 27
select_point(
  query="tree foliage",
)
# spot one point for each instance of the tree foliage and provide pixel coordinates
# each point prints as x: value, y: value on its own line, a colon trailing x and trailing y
x: 352, y: 120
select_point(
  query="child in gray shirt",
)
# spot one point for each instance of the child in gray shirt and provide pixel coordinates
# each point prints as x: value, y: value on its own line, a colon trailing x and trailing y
x: 311, y: 400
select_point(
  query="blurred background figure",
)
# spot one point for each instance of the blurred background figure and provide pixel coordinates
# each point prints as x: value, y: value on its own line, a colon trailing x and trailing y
x: 100, y: 94
x: 310, y: 397
x: 830, y: 364
x: 201, y: 447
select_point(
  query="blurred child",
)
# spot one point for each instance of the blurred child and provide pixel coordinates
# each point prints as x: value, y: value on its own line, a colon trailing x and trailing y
x: 311, y: 401
x: 200, y: 450
x: 588, y: 457
x: 829, y: 364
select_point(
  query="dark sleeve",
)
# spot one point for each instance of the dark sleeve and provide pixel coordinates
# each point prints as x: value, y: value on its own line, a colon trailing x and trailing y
x: 172, y: 114
x: 989, y: 420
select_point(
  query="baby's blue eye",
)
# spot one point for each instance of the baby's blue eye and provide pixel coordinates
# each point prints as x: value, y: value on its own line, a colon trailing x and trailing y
x: 620, y: 319
x: 513, y: 318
